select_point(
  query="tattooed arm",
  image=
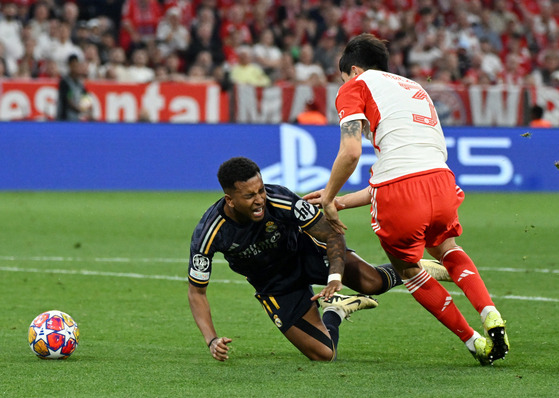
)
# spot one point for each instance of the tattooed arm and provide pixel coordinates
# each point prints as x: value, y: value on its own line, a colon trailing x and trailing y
x: 335, y: 250
x: 344, y: 165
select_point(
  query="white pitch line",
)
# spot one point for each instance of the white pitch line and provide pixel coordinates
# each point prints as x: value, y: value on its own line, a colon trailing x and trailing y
x: 106, y: 273
x: 156, y: 260
x: 183, y: 279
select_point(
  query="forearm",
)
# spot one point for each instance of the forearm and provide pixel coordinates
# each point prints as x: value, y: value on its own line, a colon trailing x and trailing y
x: 355, y: 199
x: 346, y: 160
x: 200, y: 308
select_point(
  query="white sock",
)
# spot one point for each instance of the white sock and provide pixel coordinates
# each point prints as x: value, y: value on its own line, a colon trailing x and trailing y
x: 337, y: 310
x: 487, y: 310
x: 470, y: 342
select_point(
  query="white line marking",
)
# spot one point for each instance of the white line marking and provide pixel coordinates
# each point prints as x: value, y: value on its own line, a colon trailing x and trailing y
x: 183, y: 279
x: 160, y: 260
x: 104, y: 273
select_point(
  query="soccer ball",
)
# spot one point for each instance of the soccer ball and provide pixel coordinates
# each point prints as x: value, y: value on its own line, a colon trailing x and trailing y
x: 53, y: 335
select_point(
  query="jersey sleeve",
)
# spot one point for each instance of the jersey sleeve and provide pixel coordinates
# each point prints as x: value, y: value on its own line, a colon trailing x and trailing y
x: 203, y: 246
x: 352, y: 99
x: 298, y: 210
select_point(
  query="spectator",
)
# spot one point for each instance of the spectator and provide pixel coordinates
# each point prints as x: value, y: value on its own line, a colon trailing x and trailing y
x: 327, y: 53
x: 463, y: 33
x: 40, y: 22
x: 262, y: 20
x: 266, y: 53
x: 286, y: 75
x: 425, y: 53
x: 186, y: 10
x: 63, y: 47
x: 115, y: 69
x: 511, y: 74
x: 28, y: 65
x: 70, y: 14
x: 138, y: 71
x: 10, y: 36
x: 81, y: 34
x: 306, y: 71
x: 248, y: 72
x: 161, y: 74
x: 204, y: 41
x: 49, y: 70
x: 174, y: 67
x: 536, y: 117
x: 484, y: 30
x: 197, y: 74
x: 138, y: 23
x: 235, y: 22
x: 171, y: 35
x: 106, y: 44
x: 47, y: 40
x: 92, y: 61
x: 516, y: 44
x: 501, y: 16
x: 331, y: 22
x: 71, y: 93
x: 490, y: 62
x: 550, y: 64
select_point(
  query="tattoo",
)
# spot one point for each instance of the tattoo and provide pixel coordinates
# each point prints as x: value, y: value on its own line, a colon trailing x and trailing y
x: 351, y: 129
x: 335, y: 244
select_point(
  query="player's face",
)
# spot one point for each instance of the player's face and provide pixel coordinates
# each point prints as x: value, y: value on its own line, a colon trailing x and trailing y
x: 247, y: 203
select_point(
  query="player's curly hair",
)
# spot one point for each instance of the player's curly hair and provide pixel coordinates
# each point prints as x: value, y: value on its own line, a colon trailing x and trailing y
x: 365, y: 51
x: 236, y: 169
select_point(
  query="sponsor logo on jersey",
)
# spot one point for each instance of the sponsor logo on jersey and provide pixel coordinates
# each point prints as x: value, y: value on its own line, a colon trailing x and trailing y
x: 201, y: 276
x: 304, y: 211
x: 200, y: 263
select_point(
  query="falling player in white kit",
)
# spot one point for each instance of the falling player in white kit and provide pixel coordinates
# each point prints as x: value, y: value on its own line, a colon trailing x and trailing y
x: 413, y: 194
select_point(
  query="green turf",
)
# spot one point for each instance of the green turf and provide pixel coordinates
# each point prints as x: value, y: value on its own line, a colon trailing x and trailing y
x: 116, y: 262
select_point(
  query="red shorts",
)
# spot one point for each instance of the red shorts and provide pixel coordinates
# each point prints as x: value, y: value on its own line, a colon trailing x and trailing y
x: 417, y: 212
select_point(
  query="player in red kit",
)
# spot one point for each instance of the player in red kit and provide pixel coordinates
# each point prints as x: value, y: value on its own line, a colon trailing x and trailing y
x: 413, y: 194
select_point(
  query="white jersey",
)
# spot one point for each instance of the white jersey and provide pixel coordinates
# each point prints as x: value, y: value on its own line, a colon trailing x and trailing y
x: 400, y: 121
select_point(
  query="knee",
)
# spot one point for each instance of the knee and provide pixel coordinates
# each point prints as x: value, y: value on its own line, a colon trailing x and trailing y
x: 322, y: 355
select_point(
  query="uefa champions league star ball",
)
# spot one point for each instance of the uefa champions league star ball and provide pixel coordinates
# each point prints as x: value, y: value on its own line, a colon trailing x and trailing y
x: 53, y: 335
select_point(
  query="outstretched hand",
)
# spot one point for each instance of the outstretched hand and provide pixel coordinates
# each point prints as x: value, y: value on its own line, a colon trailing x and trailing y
x: 315, y: 198
x: 328, y: 291
x: 219, y: 348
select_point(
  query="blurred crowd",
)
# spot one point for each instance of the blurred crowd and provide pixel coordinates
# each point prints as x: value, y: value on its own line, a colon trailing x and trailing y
x: 263, y: 42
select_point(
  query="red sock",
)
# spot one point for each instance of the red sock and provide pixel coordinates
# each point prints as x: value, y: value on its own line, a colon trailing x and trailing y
x: 464, y: 273
x: 435, y: 298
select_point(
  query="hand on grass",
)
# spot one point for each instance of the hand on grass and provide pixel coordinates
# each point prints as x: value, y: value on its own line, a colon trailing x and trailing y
x: 219, y: 348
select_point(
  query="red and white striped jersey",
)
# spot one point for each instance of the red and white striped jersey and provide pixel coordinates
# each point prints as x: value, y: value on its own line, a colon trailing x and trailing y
x: 400, y: 121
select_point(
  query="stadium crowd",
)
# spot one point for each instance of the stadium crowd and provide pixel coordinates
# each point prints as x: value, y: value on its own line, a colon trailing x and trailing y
x: 262, y: 42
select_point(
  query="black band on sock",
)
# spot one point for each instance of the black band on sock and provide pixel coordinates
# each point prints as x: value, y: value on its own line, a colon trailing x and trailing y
x: 390, y: 277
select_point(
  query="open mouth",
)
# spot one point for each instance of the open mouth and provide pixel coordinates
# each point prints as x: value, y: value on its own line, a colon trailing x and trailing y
x: 258, y: 212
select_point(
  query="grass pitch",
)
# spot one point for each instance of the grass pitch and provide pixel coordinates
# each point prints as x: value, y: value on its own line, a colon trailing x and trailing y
x: 116, y: 262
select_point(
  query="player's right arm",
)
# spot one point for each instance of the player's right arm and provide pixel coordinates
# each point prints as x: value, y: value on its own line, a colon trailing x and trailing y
x: 206, y: 240
x: 344, y: 165
x: 200, y: 308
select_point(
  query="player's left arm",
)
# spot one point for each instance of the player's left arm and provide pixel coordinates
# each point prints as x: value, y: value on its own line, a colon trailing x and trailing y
x: 344, y: 165
x: 335, y: 250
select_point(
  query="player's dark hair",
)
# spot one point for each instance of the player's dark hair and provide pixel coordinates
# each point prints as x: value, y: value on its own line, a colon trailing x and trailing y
x: 236, y: 169
x: 365, y: 51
